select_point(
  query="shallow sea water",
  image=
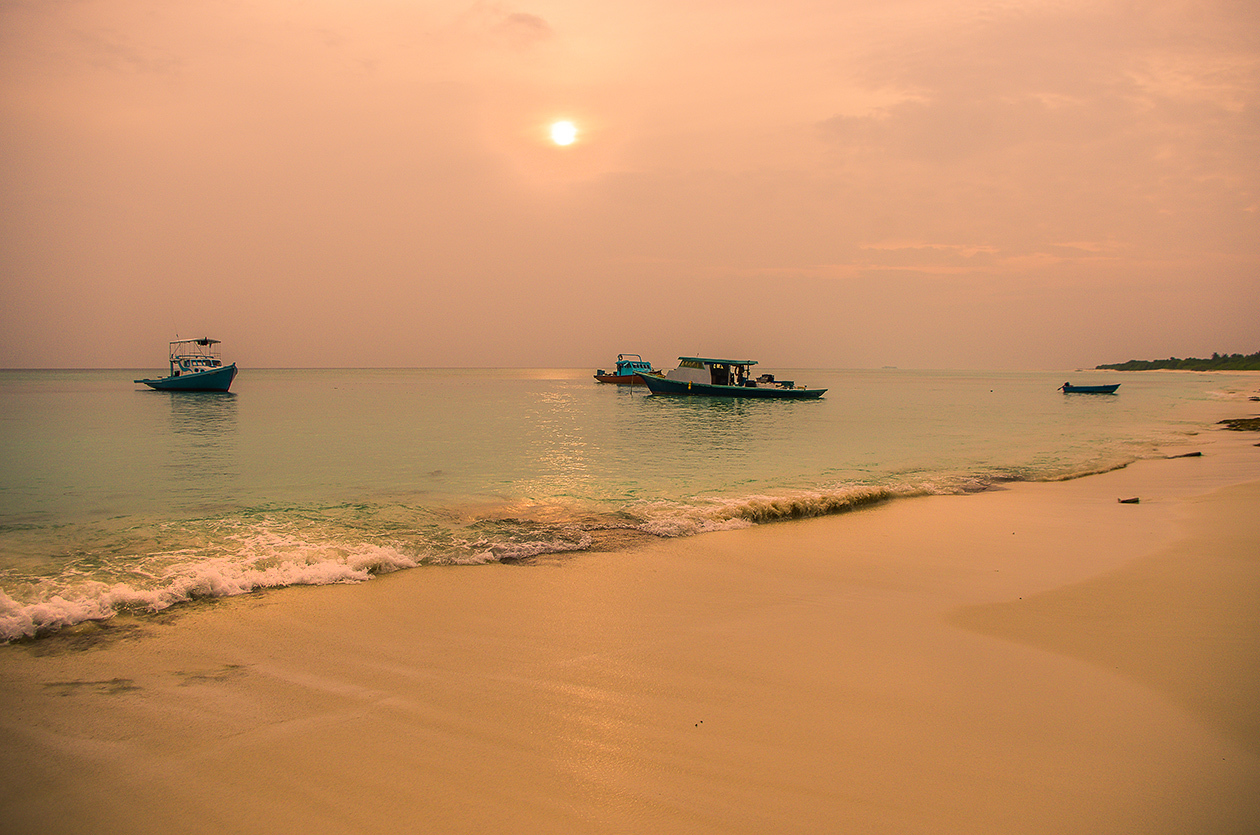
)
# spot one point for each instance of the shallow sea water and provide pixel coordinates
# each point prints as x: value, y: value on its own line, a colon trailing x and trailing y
x: 113, y: 496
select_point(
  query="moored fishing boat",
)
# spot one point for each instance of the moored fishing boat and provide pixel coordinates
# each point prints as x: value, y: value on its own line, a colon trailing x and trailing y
x: 1068, y: 388
x: 629, y: 367
x: 706, y: 376
x: 196, y: 365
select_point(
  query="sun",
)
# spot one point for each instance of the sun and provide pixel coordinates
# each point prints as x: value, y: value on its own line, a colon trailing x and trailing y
x: 563, y: 133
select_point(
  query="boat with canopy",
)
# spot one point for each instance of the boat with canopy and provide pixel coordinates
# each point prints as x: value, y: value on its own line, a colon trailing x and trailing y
x: 196, y: 365
x: 712, y: 377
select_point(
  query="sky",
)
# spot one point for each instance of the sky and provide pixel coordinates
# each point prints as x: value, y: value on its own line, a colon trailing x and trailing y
x: 999, y: 184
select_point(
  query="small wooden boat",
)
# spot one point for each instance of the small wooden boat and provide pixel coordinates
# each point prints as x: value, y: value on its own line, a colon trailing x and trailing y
x: 1068, y: 388
x: 710, y: 377
x: 195, y: 366
x: 629, y: 367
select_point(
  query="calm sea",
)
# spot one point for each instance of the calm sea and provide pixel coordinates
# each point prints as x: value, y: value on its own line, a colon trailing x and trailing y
x: 113, y: 496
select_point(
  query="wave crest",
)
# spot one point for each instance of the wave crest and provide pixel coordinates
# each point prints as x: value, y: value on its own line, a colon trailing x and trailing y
x: 51, y: 606
x: 755, y: 510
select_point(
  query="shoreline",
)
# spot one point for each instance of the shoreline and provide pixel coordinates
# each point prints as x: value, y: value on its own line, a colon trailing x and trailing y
x: 96, y: 550
x: 754, y: 510
x: 1037, y: 657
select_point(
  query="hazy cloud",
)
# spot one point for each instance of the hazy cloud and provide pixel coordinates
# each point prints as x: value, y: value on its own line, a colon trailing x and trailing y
x: 855, y: 183
x: 523, y: 28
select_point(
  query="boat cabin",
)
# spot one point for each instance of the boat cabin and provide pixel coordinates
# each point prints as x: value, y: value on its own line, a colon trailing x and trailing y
x: 629, y: 367
x: 717, y: 372
x: 632, y: 364
x: 193, y: 356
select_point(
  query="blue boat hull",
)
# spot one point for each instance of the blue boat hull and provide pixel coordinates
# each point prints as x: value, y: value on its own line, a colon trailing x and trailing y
x: 663, y: 385
x: 1068, y: 388
x: 218, y: 379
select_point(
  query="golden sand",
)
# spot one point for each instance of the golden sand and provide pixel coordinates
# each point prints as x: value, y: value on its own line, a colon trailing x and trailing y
x: 1038, y: 659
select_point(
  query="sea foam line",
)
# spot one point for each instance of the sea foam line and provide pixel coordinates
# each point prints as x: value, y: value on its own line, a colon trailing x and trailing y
x: 264, y: 558
x: 57, y: 607
x: 729, y: 514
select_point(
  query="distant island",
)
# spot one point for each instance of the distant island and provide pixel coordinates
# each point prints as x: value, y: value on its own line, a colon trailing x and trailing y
x: 1218, y: 362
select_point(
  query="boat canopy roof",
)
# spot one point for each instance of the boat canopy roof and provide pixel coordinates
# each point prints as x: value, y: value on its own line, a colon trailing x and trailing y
x: 204, y: 348
x: 711, y: 361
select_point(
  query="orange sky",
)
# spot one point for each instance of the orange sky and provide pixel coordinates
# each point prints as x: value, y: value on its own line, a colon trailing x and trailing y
x: 849, y: 183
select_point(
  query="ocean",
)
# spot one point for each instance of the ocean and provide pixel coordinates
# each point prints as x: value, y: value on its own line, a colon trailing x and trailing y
x: 114, y: 497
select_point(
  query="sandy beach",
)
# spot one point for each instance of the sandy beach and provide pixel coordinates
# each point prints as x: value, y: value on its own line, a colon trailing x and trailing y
x: 1034, y: 659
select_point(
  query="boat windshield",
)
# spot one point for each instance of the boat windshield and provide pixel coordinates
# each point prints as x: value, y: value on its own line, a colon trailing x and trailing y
x: 193, y: 355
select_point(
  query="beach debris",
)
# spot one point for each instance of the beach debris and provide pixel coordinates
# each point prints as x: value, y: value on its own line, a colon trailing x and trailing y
x: 1133, y: 500
x: 1251, y: 424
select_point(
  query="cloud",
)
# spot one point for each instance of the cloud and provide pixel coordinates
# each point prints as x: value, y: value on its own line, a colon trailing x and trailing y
x: 341, y: 166
x: 111, y: 49
x: 1096, y: 123
x: 522, y: 28
x: 504, y: 26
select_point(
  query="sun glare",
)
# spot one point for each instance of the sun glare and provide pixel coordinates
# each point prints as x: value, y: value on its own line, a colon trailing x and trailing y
x: 563, y: 133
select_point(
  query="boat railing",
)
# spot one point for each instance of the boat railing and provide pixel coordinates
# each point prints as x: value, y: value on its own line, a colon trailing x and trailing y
x: 190, y: 348
x: 190, y: 356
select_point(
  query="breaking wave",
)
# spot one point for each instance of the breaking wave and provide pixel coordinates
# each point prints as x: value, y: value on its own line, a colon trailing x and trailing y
x: 729, y: 514
x: 234, y: 557
x: 248, y: 557
x: 55, y: 604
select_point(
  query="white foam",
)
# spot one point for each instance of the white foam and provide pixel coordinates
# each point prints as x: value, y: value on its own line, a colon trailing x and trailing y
x: 717, y: 514
x: 57, y: 607
x: 510, y: 551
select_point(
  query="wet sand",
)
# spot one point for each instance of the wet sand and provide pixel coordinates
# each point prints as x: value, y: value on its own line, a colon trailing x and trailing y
x: 1036, y: 659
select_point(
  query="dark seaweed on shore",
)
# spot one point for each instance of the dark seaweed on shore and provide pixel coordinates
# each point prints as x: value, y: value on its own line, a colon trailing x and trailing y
x: 1251, y: 424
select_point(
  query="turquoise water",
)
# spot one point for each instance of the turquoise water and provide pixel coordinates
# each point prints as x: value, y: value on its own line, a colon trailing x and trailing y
x: 115, y: 496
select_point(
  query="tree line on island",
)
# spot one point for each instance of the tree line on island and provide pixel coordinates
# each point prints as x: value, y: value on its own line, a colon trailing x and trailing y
x: 1218, y: 362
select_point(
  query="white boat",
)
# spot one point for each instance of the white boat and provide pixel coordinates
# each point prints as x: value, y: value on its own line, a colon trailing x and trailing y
x: 196, y: 365
x: 711, y: 377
